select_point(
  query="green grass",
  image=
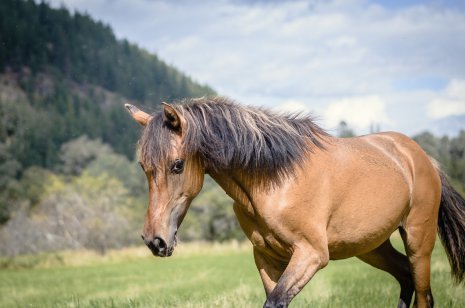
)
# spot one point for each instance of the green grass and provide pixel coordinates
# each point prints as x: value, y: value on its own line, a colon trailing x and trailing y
x: 197, y: 276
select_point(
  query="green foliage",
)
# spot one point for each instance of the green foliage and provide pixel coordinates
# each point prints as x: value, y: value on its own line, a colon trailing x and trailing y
x: 9, y: 168
x: 95, y: 195
x: 344, y: 131
x: 429, y: 143
x: 117, y: 166
x: 83, y: 211
x: 94, y: 202
x: 449, y: 152
x: 77, y: 154
x: 457, y: 157
x: 33, y: 184
x: 211, y: 216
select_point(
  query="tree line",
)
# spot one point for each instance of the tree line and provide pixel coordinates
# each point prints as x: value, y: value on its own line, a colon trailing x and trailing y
x: 96, y: 199
x: 449, y: 152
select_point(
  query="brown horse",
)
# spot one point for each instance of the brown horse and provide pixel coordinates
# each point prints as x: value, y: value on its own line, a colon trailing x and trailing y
x: 301, y: 196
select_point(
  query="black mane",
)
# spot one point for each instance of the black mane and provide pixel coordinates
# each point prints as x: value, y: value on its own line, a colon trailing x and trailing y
x: 230, y: 136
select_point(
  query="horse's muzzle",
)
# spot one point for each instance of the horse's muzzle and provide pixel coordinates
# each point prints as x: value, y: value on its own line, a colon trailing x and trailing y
x: 158, y: 247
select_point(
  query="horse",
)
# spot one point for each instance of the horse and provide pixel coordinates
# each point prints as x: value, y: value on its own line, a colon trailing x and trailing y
x: 302, y: 196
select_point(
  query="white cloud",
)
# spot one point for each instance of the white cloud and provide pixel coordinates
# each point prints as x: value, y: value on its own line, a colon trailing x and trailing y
x: 292, y: 106
x: 359, y: 112
x: 441, y: 108
x: 456, y: 89
x: 450, y: 102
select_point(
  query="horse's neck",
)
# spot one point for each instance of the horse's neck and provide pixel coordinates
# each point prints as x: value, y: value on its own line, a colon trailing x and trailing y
x: 236, y: 185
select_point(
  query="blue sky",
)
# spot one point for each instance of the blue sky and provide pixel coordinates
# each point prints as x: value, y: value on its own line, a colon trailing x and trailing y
x: 398, y: 64
x: 400, y: 4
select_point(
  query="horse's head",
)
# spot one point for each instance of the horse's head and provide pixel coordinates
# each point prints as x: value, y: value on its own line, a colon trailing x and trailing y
x: 174, y: 176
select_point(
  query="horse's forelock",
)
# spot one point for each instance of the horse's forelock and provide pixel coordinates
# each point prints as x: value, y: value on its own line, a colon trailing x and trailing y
x: 155, y: 142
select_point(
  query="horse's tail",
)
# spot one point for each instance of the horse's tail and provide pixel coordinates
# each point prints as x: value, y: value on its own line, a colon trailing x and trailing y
x: 451, y: 227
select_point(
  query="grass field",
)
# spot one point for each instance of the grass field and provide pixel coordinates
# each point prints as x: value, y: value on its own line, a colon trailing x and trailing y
x: 198, y: 275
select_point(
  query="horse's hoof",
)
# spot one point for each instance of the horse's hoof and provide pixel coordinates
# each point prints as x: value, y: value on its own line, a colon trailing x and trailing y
x: 274, y: 304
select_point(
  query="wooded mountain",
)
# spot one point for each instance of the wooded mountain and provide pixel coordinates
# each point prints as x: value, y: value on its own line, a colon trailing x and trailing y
x: 64, y: 75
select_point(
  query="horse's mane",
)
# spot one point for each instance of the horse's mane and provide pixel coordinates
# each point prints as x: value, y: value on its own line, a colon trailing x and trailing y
x: 229, y: 136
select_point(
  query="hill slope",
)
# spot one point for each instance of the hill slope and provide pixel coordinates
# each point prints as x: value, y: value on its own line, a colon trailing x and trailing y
x: 64, y: 75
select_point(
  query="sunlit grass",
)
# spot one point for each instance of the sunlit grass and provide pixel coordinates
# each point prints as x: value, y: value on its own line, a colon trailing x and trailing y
x: 90, y: 257
x: 199, y: 275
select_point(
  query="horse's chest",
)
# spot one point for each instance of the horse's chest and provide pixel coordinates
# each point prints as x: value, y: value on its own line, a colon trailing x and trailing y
x: 259, y: 233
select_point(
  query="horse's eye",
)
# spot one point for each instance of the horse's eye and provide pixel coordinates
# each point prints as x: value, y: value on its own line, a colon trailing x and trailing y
x: 177, y: 167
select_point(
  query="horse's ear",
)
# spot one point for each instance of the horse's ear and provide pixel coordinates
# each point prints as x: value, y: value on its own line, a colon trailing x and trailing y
x: 172, y: 117
x: 141, y: 117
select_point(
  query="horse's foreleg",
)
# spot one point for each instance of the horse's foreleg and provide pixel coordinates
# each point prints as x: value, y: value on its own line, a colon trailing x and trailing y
x: 304, y: 263
x: 269, y: 268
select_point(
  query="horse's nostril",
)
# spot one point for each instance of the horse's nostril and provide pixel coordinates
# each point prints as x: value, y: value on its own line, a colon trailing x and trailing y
x: 143, y: 237
x: 159, y: 243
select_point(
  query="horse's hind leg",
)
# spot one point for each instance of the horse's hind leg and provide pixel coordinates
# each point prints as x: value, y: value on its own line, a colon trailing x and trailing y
x: 388, y: 259
x: 419, y: 243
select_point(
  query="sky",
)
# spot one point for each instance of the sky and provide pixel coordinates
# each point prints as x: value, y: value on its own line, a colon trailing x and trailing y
x: 399, y: 65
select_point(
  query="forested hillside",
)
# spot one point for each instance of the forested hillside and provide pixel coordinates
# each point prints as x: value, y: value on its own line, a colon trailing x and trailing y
x: 85, y: 51
x: 65, y: 75
x: 73, y: 71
